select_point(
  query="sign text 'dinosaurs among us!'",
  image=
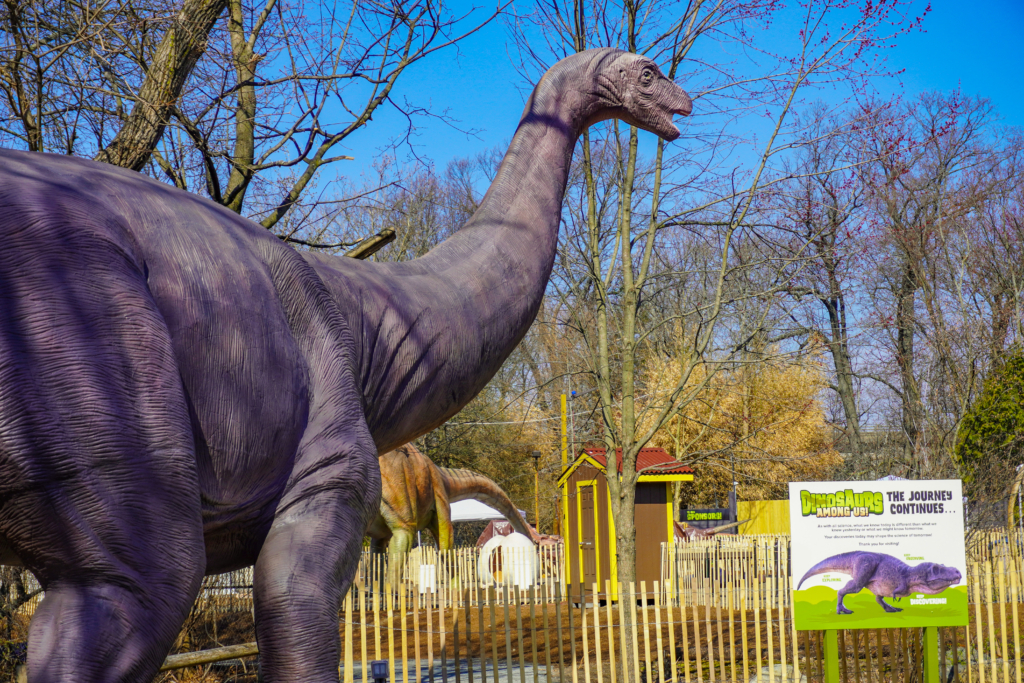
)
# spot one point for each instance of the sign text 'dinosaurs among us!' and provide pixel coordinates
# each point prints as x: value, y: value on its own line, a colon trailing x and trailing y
x: 878, y: 554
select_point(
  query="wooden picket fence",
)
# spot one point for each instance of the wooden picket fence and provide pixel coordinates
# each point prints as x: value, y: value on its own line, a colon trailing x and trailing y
x: 722, y: 612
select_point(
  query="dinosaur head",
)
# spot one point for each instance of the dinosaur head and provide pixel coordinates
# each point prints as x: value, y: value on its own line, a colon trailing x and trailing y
x: 632, y: 88
x: 931, y: 578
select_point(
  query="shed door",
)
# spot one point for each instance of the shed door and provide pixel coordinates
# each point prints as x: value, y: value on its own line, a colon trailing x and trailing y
x: 588, y: 535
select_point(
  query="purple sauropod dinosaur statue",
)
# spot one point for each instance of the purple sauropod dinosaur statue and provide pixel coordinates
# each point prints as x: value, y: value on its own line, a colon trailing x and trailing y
x: 885, y: 576
x: 181, y: 393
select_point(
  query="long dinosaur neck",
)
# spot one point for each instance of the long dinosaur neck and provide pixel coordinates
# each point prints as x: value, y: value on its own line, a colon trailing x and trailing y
x: 434, y: 330
x: 505, y: 252
x: 468, y: 485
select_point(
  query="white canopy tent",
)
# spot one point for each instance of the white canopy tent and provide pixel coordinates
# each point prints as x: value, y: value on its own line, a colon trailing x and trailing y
x: 475, y: 511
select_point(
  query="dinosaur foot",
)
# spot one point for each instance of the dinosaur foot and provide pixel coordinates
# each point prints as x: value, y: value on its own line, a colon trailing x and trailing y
x: 890, y: 608
x: 842, y: 610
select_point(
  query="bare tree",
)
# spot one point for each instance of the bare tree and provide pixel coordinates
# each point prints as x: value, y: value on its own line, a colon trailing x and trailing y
x: 625, y: 223
x: 257, y: 103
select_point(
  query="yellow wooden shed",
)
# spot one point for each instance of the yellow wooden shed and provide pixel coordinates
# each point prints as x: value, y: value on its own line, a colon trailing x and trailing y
x: 588, y: 527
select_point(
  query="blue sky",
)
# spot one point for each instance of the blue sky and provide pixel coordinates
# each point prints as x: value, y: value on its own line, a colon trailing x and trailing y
x: 975, y: 46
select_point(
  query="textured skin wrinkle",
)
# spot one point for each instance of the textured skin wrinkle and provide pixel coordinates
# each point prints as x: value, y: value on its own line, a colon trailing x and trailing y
x: 182, y: 393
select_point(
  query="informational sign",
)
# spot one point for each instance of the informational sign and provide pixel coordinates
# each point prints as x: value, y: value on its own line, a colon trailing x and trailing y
x: 707, y: 518
x: 878, y: 554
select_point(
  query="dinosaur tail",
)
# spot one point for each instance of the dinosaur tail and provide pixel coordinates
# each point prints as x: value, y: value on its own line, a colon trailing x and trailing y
x: 463, y: 485
x: 837, y: 563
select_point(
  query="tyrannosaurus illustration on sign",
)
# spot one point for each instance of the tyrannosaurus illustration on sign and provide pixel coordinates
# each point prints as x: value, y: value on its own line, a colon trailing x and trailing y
x: 416, y: 494
x: 885, y: 576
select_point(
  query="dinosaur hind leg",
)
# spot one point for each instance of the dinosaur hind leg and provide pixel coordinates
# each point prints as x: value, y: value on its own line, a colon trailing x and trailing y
x: 886, y: 606
x: 95, y: 435
x: 398, y: 550
x: 853, y: 586
x: 441, y: 523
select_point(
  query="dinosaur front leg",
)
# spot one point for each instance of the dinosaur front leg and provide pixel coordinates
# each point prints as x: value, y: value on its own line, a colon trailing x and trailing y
x: 310, y: 555
x: 887, y: 607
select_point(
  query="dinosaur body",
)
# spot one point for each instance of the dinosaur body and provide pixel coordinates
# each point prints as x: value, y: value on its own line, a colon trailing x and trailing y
x: 885, y: 576
x: 416, y: 494
x: 181, y: 393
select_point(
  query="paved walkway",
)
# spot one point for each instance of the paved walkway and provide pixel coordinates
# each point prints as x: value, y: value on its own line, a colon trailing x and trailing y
x: 524, y: 674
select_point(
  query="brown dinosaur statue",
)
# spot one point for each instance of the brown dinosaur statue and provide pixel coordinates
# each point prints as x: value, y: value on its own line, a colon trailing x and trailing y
x: 416, y: 494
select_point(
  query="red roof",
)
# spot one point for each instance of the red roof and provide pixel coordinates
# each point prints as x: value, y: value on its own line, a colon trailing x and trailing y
x: 648, y: 461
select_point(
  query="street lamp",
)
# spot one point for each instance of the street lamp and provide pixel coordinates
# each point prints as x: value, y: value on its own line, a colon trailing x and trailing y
x: 536, y: 489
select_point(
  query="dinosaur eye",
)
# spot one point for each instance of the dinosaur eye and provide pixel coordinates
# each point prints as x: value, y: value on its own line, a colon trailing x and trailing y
x: 646, y: 77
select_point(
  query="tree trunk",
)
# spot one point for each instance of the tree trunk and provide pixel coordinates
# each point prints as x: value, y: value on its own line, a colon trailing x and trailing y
x: 245, y: 116
x: 839, y: 348
x: 173, y: 61
x: 911, y: 395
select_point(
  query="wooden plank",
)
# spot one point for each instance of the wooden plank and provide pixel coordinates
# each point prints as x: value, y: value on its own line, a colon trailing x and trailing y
x: 364, y: 599
x: 780, y: 620
x: 709, y: 641
x: 978, y: 624
x: 443, y: 641
x: 987, y: 596
x: 480, y: 632
x: 391, y: 631
x: 943, y: 635
x: 732, y: 631
x: 855, y: 637
x: 533, y: 631
x: 793, y: 639
x: 808, y: 660
x: 1001, y: 584
x: 468, y: 607
x: 572, y: 634
x: 547, y: 634
x: 518, y: 596
x: 673, y: 604
x: 403, y: 607
x: 657, y: 630
x: 757, y: 630
x: 721, y: 638
x: 610, y: 616
x: 1015, y: 586
x: 647, y: 631
x: 508, y: 634
x: 684, y: 640
x: 416, y: 597
x: 595, y: 596
x: 349, y: 663
x: 430, y: 637
x: 893, y: 658
x: 743, y: 632
x: 633, y: 631
x: 770, y: 627
x: 583, y: 629
x: 492, y: 598
x: 377, y: 611
x: 561, y: 642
